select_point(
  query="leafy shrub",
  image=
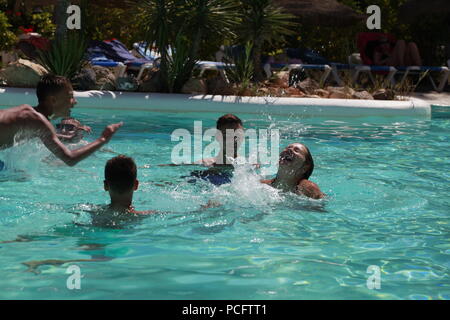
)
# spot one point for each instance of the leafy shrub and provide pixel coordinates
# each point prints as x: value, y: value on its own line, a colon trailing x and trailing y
x: 65, y: 55
x: 7, y: 37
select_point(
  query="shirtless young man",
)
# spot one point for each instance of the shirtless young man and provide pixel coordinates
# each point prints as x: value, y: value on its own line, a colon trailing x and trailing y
x: 120, y: 182
x: 230, y: 133
x: 55, y: 96
x: 229, y: 144
x: 295, y: 167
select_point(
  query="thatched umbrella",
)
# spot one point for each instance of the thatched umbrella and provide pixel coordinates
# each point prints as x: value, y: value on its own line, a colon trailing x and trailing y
x: 414, y: 9
x: 323, y: 12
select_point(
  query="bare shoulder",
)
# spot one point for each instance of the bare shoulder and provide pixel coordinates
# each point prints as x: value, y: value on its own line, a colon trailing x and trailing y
x: 208, y: 162
x: 267, y: 181
x: 309, y: 189
x: 26, y: 112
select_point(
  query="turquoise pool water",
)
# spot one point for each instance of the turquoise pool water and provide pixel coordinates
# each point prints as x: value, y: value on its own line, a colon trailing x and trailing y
x: 387, y: 181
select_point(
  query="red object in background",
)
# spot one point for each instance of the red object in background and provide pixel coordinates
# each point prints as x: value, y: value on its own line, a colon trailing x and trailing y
x: 370, y: 38
x: 26, y: 30
x: 39, y: 43
x: 18, y: 14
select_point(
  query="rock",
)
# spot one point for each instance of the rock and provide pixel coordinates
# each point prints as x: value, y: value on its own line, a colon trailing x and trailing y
x: 362, y: 95
x: 275, y: 91
x: 85, y: 79
x: 322, y: 93
x: 281, y: 79
x: 384, y: 94
x: 151, y: 82
x: 294, y: 92
x: 104, y: 79
x: 340, y: 92
x: 195, y: 86
x: 23, y: 73
x: 246, y: 92
x: 263, y: 91
x: 218, y: 86
x: 308, y: 86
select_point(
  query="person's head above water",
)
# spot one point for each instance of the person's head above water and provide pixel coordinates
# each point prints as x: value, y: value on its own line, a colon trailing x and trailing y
x: 229, y: 129
x: 121, y: 178
x: 296, y: 161
x: 229, y: 121
x: 55, y: 96
x: 71, y: 127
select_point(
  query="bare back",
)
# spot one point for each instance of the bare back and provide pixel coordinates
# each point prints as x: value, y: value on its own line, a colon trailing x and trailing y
x: 20, y: 122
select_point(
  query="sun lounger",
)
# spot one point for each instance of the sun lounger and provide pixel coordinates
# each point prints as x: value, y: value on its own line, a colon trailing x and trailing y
x: 109, y: 53
x: 203, y: 65
x: 366, y: 42
x: 117, y: 51
x: 443, y: 71
x: 356, y: 70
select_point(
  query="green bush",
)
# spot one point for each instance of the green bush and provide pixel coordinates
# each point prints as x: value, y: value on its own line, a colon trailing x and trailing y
x: 65, y: 56
x: 7, y: 37
x: 43, y: 24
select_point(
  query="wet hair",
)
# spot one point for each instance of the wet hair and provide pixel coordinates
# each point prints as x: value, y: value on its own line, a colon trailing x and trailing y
x: 228, y: 119
x: 50, y: 84
x: 309, y: 162
x: 120, y: 173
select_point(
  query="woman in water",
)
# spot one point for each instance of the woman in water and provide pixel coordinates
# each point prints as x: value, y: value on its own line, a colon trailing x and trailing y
x: 295, y: 167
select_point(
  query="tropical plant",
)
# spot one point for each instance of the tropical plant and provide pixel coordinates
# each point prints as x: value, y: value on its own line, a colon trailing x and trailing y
x: 205, y: 18
x: 65, y: 55
x: 158, y: 27
x: 239, y: 68
x: 264, y: 23
x: 179, y: 65
x: 185, y: 23
x: 43, y: 24
x: 7, y: 37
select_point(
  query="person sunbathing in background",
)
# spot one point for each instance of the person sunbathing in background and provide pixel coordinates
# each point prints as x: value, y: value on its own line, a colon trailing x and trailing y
x: 399, y: 54
x: 71, y: 130
x: 121, y: 183
x: 295, y: 167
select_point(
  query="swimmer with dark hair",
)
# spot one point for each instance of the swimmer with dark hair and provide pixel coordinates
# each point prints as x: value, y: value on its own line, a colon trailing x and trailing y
x: 71, y: 130
x: 295, y: 167
x: 55, y: 100
x: 121, y: 183
x: 230, y: 134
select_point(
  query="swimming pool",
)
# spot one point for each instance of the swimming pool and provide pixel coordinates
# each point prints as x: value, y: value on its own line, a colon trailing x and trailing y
x: 386, y: 178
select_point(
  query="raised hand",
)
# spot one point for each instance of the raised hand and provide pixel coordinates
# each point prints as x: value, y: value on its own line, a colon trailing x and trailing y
x: 111, y: 130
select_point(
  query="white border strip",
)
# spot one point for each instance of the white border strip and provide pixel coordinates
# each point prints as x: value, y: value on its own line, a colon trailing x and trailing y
x: 229, y: 104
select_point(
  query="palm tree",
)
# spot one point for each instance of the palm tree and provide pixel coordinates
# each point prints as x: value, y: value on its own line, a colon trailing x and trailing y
x: 264, y: 23
x: 158, y: 26
x: 211, y: 17
x: 172, y: 23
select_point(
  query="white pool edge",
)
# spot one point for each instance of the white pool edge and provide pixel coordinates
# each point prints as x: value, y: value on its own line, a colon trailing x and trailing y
x: 229, y: 104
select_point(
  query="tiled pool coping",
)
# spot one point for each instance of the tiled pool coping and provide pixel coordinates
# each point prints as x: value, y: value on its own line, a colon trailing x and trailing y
x: 207, y: 103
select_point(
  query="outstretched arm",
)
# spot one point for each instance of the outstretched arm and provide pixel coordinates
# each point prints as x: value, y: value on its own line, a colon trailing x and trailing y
x: 48, y: 136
